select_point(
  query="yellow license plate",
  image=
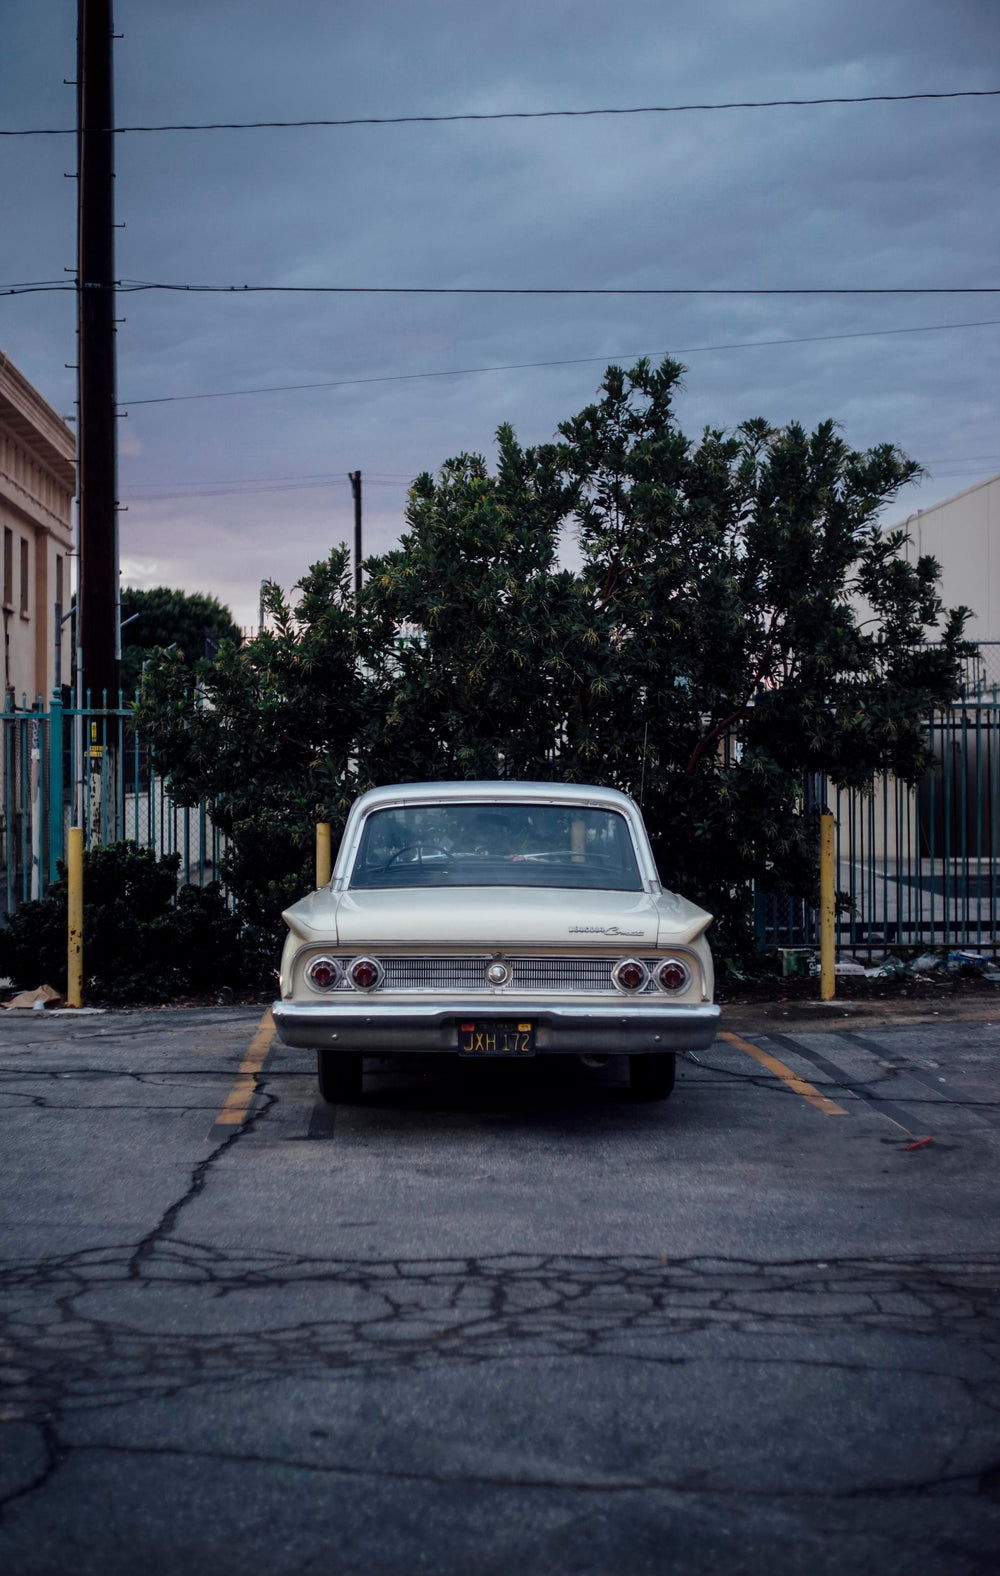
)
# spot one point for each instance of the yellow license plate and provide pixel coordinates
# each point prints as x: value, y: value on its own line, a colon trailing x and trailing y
x: 496, y: 1037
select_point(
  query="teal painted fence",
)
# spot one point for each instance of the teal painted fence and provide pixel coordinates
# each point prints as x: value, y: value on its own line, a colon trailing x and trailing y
x: 67, y: 765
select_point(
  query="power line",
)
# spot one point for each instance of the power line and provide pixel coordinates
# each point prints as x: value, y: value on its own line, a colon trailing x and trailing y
x: 138, y: 286
x: 266, y: 484
x: 573, y: 361
x: 135, y: 286
x: 514, y: 114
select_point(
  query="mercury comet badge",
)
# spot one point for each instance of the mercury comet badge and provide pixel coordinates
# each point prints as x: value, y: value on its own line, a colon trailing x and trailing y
x: 601, y: 930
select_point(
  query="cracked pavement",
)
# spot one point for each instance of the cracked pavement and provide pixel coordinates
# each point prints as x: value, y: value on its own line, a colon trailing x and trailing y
x: 501, y: 1317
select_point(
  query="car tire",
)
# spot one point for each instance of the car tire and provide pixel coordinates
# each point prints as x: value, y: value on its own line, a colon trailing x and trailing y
x: 652, y: 1077
x: 339, y: 1075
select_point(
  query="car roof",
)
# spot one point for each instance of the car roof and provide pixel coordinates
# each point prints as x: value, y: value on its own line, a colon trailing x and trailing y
x: 502, y: 790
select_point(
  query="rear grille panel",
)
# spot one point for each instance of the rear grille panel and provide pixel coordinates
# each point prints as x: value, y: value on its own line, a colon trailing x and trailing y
x: 528, y: 975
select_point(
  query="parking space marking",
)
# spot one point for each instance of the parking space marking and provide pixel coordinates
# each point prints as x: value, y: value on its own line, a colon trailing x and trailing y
x: 896, y: 1114
x: 798, y: 1085
x: 237, y: 1101
x: 976, y: 1115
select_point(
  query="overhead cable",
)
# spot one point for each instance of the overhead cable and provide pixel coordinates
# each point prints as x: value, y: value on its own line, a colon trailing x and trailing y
x: 138, y: 492
x: 572, y: 361
x: 138, y: 286
x: 511, y: 114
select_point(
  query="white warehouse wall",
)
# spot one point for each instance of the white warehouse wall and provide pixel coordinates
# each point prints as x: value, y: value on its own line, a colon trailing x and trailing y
x: 961, y: 533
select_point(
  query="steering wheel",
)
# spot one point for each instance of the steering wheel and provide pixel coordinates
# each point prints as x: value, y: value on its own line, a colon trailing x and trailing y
x: 434, y: 848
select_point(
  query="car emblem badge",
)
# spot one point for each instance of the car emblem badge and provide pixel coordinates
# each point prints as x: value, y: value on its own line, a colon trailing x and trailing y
x: 601, y: 930
x: 498, y: 973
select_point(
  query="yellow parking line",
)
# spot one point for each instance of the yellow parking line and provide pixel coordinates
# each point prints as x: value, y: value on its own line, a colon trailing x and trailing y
x: 808, y: 1091
x: 237, y: 1101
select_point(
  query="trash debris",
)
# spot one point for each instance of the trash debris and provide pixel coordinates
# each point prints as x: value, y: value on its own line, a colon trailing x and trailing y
x: 918, y: 1144
x: 795, y: 962
x: 849, y: 966
x: 890, y: 969
x: 967, y: 963
x: 927, y: 963
x: 41, y: 998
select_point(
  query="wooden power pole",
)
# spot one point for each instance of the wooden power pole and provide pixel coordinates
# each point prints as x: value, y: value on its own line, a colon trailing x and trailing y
x: 355, y: 480
x: 97, y: 456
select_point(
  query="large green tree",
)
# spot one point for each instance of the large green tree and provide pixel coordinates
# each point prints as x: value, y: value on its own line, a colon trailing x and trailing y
x: 754, y: 627
x: 161, y: 618
x: 740, y: 625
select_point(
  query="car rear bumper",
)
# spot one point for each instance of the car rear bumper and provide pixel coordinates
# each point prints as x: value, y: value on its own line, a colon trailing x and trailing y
x: 571, y: 1029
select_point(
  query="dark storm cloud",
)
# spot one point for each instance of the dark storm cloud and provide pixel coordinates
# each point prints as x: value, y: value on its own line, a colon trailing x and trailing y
x: 880, y: 194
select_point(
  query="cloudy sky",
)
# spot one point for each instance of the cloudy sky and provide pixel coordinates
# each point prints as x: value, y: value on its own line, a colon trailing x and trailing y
x: 223, y: 491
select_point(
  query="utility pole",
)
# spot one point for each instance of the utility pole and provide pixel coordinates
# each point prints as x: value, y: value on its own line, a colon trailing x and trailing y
x: 354, y: 477
x: 98, y: 593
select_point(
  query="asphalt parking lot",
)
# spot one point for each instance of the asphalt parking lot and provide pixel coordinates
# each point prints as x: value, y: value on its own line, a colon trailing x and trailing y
x: 499, y: 1318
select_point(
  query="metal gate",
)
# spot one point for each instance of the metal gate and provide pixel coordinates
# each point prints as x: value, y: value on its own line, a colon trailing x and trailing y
x: 87, y: 766
x: 916, y: 866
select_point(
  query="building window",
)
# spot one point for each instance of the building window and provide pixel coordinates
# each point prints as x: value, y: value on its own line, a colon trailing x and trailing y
x: 8, y: 566
x: 59, y: 581
x: 24, y: 577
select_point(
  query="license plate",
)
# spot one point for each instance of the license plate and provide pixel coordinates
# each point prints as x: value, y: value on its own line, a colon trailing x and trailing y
x: 496, y: 1037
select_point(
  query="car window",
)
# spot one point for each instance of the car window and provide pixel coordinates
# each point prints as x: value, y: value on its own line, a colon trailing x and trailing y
x: 521, y: 845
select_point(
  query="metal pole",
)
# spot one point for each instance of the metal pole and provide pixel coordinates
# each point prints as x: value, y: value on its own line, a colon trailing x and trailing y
x: 55, y: 783
x: 323, y: 865
x: 827, y: 907
x: 355, y: 480
x: 97, y: 455
x: 74, y: 927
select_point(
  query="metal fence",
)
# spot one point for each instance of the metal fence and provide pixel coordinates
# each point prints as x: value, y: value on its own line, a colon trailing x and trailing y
x: 87, y: 766
x: 916, y: 866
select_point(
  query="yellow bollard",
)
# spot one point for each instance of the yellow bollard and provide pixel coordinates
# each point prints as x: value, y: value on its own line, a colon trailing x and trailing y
x: 827, y: 908
x: 323, y: 866
x: 74, y: 917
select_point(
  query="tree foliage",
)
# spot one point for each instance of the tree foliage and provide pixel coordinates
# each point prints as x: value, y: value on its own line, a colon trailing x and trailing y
x: 193, y: 623
x: 738, y: 623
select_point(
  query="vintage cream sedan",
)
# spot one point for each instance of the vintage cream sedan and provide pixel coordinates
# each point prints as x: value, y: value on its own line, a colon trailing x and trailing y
x: 496, y: 919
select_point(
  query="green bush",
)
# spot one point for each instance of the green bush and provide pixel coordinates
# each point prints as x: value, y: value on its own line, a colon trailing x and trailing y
x: 144, y: 939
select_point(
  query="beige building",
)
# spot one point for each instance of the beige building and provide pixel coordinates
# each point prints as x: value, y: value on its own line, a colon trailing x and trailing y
x: 37, y: 484
x: 963, y: 534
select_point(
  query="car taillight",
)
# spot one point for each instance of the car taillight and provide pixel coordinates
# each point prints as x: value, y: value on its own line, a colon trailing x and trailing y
x: 323, y: 973
x: 364, y: 973
x: 630, y: 975
x: 673, y: 975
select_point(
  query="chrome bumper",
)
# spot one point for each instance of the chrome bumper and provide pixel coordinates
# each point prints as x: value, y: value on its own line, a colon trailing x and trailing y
x: 570, y: 1029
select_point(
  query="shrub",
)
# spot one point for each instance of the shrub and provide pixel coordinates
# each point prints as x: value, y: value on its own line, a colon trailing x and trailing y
x: 143, y: 938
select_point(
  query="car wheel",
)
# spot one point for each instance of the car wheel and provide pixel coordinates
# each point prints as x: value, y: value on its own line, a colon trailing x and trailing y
x: 652, y: 1077
x: 339, y: 1075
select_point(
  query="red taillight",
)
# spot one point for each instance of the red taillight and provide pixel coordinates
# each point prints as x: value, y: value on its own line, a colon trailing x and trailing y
x: 323, y: 973
x: 630, y: 975
x: 365, y: 973
x: 673, y: 975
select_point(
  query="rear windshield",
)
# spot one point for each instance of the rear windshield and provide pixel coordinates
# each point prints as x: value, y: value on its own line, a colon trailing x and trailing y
x: 517, y: 845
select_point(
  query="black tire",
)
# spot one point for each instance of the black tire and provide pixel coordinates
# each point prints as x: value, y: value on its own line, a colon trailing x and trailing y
x: 339, y: 1075
x: 652, y: 1077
